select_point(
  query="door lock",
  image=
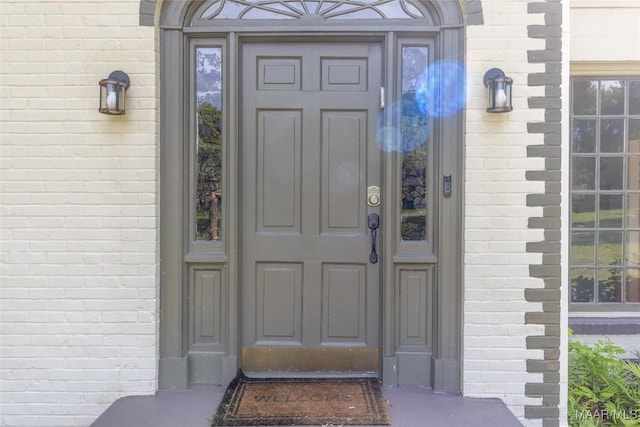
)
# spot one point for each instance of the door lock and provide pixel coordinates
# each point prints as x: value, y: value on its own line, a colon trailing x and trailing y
x: 373, y: 196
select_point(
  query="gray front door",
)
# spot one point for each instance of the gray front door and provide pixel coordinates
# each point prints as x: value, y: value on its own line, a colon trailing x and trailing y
x: 310, y: 297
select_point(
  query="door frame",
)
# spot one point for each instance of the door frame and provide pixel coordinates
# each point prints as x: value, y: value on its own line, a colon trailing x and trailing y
x: 179, y: 365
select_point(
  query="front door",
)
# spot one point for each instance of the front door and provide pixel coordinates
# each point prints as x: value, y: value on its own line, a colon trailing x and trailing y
x: 310, y: 295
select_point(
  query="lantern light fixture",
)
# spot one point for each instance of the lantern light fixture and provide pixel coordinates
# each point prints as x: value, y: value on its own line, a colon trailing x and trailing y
x: 499, y: 91
x: 112, y: 90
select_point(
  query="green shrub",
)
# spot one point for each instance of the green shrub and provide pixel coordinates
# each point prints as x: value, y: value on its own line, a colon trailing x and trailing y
x: 604, y: 390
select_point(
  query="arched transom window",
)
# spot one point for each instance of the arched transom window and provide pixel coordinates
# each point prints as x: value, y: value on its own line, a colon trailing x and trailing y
x: 312, y: 9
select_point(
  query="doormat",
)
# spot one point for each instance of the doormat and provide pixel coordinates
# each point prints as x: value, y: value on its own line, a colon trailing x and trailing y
x: 302, y: 402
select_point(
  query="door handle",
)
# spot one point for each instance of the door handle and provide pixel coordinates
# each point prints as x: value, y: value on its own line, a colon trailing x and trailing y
x: 374, y: 223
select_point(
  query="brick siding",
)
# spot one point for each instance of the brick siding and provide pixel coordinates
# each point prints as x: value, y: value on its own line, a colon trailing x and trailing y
x: 79, y: 212
x: 497, y: 212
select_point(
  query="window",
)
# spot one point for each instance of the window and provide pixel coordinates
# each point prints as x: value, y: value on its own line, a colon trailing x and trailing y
x: 414, y: 137
x: 605, y: 193
x: 208, y: 162
x: 296, y: 9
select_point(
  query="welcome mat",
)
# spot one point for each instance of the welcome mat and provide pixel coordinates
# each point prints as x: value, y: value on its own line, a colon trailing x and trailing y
x: 302, y: 401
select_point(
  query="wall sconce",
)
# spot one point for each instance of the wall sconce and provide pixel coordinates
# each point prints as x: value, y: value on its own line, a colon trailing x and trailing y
x: 112, y: 91
x: 499, y: 88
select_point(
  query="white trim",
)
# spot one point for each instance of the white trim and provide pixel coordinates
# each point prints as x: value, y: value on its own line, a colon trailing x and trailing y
x: 565, y: 217
x: 578, y: 314
x: 606, y: 4
x: 603, y: 68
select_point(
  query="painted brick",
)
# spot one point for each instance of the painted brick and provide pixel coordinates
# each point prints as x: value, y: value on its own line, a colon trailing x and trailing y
x: 83, y: 219
x: 83, y: 154
x: 542, y: 412
x: 543, y: 56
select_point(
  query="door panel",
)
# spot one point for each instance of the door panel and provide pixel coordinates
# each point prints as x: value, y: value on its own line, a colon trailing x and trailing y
x: 279, y: 302
x: 309, y: 293
x: 278, y: 138
x: 344, y: 144
x: 343, y: 301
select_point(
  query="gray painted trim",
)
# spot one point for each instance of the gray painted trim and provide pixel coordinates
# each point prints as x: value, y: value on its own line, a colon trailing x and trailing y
x: 174, y: 363
x: 549, y: 271
x: 605, y: 325
x: 147, y: 12
x: 449, y: 296
x: 173, y: 367
x: 474, y: 12
x: 473, y: 9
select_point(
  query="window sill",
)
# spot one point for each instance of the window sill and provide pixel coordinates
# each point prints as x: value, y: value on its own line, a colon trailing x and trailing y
x: 605, y: 325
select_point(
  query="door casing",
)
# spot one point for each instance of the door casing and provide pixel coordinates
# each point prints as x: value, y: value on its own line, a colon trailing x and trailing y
x: 179, y: 365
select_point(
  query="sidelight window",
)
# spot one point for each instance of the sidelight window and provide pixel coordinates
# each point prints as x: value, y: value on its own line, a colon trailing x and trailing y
x: 208, y: 145
x: 414, y: 137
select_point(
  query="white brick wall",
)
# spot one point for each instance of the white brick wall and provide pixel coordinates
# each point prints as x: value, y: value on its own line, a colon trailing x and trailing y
x: 605, y: 30
x: 496, y: 263
x: 79, y: 212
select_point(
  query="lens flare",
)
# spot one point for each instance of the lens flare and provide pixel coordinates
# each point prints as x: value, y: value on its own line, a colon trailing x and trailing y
x: 411, y: 132
x: 440, y: 90
x: 387, y: 138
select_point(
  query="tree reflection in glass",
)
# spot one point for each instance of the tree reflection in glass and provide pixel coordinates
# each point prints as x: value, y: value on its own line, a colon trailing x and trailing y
x: 633, y: 285
x: 583, y: 136
x: 414, y: 125
x: 582, y: 285
x: 611, y: 97
x: 208, y: 191
x: 610, y: 285
x: 585, y: 94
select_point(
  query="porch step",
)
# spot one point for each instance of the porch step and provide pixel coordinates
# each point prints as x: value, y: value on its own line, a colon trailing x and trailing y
x: 410, y: 406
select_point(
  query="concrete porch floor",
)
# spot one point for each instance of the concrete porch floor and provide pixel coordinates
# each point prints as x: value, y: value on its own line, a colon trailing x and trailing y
x: 408, y: 407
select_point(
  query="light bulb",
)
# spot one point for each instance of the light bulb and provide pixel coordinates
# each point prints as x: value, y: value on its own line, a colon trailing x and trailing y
x: 501, y: 98
x: 111, y: 100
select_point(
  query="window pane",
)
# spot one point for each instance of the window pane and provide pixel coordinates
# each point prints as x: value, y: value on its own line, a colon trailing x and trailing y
x: 611, y: 173
x: 611, y: 97
x: 278, y: 12
x: 612, y: 135
x: 609, y: 247
x: 633, y: 248
x: 609, y: 285
x: 209, y: 145
x: 230, y: 10
x: 348, y: 12
x: 585, y: 97
x: 583, y: 136
x: 584, y: 173
x: 634, y: 136
x: 633, y: 210
x: 414, y: 125
x: 583, y: 211
x: 634, y: 97
x: 633, y: 285
x: 633, y: 173
x: 610, y: 211
x: 582, y: 283
x: 583, y: 249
